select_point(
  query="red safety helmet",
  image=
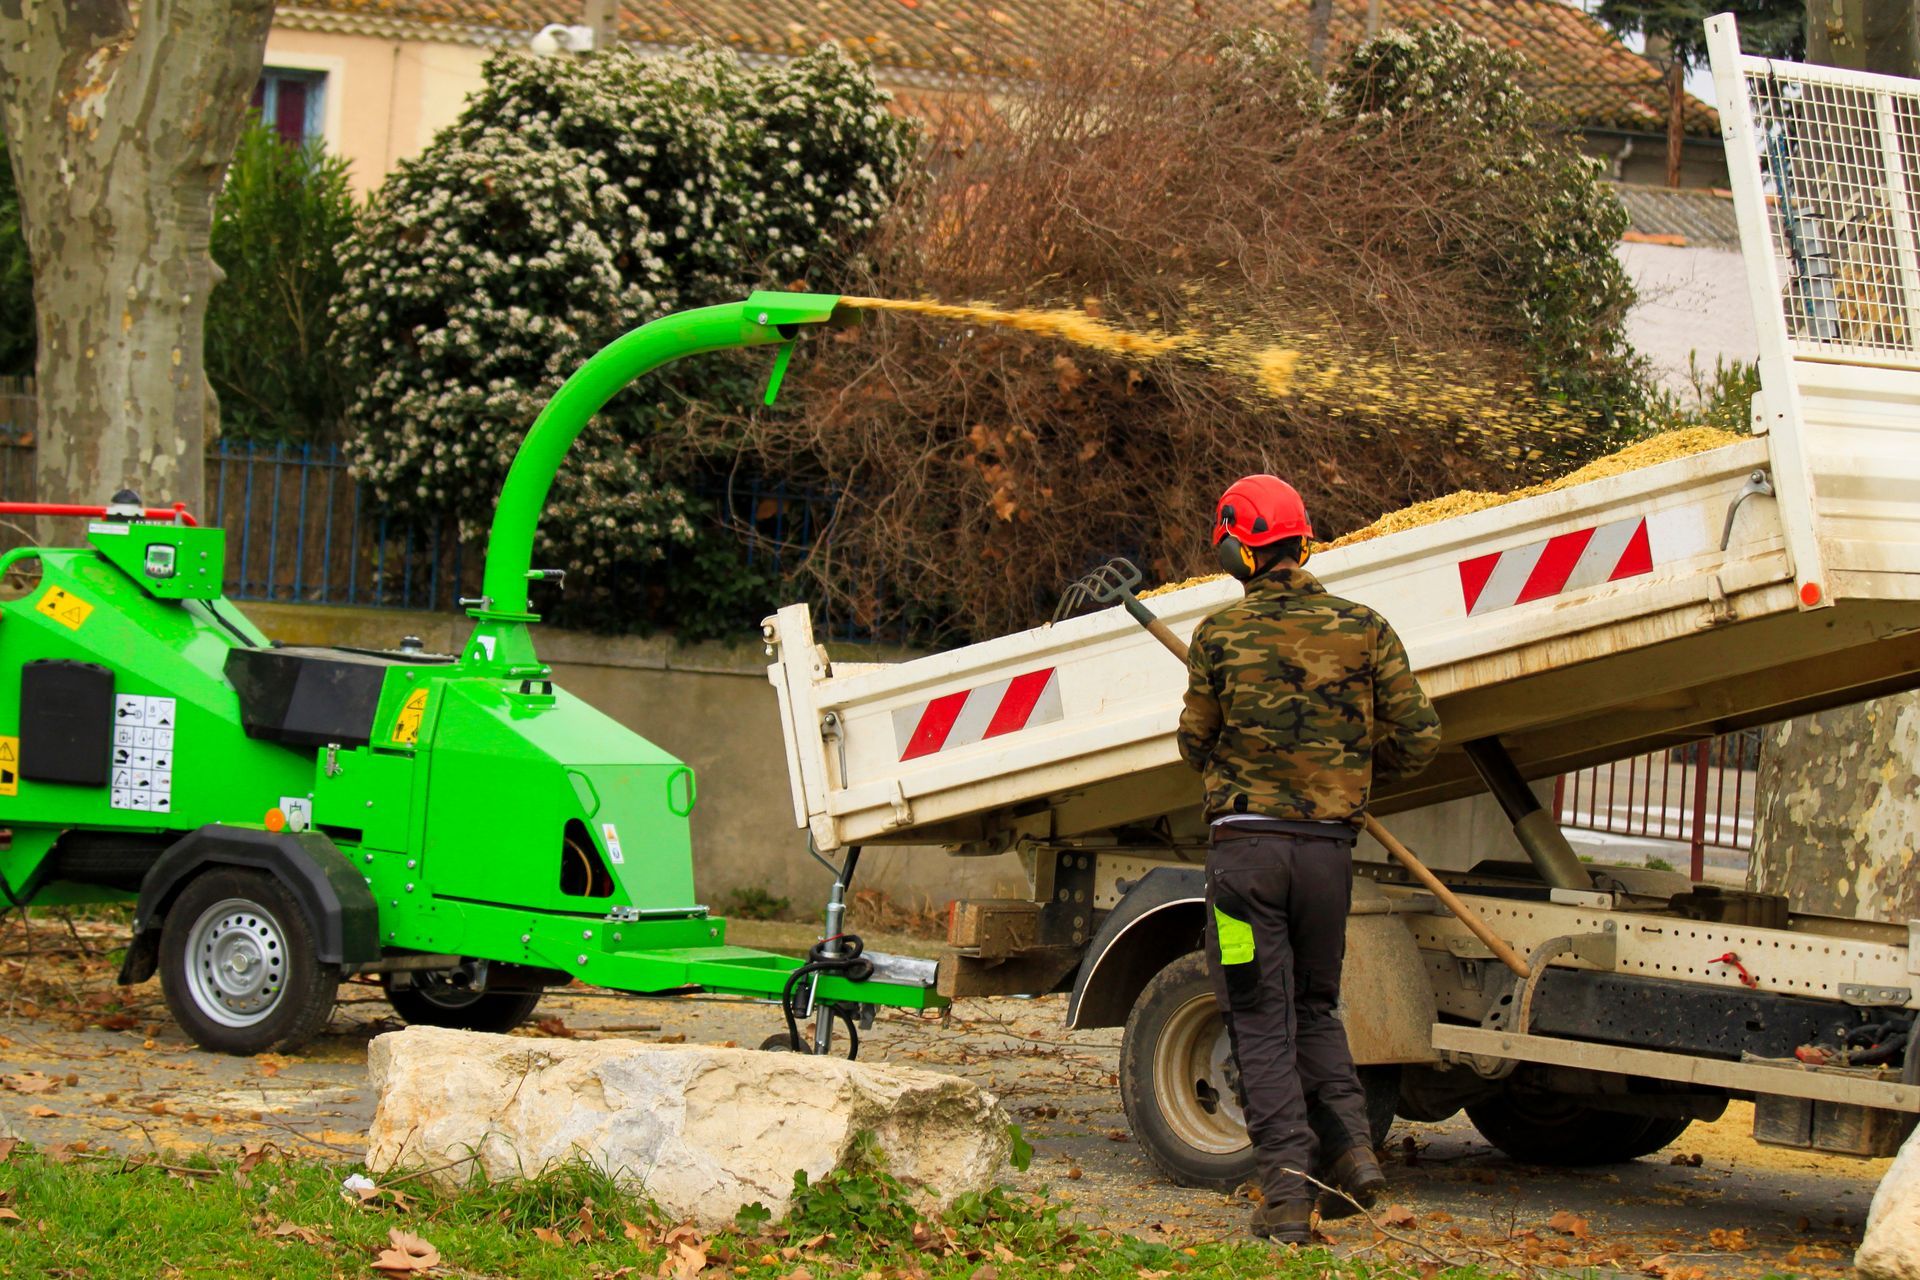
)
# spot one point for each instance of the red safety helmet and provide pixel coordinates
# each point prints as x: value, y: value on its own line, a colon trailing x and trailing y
x: 1257, y: 511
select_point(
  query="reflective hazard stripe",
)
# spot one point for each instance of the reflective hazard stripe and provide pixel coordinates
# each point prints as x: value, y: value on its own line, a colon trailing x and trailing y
x: 1236, y: 938
x: 1565, y: 562
x: 974, y: 715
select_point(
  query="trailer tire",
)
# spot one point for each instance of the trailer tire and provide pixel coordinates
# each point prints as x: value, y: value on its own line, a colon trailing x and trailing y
x: 436, y: 1003
x: 238, y: 964
x: 1542, y: 1129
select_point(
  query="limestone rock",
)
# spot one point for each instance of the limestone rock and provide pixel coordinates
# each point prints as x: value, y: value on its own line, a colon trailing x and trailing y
x: 701, y: 1130
x: 1891, y: 1249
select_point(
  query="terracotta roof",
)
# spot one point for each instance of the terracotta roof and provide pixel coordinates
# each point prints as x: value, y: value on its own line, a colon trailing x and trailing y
x: 1576, y: 62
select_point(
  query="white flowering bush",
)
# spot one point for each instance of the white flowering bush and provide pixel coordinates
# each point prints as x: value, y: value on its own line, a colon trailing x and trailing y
x: 575, y: 199
x: 1545, y: 245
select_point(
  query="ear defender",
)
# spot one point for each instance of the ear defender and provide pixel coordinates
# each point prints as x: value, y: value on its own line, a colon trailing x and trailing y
x: 1234, y: 557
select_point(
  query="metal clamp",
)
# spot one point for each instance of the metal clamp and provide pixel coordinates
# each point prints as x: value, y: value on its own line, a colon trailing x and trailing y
x: 1758, y: 485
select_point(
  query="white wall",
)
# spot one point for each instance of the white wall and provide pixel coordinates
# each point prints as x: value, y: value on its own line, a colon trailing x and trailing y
x: 1692, y: 300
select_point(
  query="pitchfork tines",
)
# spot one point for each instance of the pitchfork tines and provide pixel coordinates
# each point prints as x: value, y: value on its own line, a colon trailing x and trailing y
x: 1112, y: 583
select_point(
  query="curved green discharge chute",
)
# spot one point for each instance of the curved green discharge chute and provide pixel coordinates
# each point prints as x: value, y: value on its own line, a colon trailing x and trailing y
x: 762, y: 320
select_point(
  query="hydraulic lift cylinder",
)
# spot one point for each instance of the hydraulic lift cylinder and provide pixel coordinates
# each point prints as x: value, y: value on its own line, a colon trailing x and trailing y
x: 1537, y: 830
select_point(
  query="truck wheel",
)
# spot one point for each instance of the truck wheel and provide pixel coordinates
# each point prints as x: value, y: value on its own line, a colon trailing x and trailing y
x: 1178, y: 1085
x: 434, y: 1002
x: 1543, y: 1129
x: 237, y: 965
x: 1177, y: 1081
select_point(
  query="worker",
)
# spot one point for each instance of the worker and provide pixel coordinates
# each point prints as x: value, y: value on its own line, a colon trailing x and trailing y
x: 1298, y: 702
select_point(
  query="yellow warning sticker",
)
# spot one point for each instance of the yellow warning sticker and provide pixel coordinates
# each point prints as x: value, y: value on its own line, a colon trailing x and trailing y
x: 406, y: 725
x: 9, y: 766
x: 64, y: 608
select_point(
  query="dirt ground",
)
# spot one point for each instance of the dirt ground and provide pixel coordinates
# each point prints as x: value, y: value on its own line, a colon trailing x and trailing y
x: 84, y: 1062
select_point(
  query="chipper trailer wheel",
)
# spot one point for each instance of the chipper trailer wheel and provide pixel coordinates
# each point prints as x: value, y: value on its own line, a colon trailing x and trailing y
x: 238, y: 966
x: 432, y: 1001
x: 1178, y: 1086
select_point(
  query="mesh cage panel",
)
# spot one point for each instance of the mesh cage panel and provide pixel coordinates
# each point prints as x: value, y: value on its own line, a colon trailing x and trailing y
x: 1839, y: 163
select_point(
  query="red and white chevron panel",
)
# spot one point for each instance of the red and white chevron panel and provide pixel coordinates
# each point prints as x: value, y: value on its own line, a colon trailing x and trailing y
x: 974, y: 715
x: 1566, y: 562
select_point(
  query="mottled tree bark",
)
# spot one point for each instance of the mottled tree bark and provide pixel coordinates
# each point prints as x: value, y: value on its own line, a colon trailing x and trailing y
x: 120, y: 130
x: 1837, y: 807
x: 1865, y: 35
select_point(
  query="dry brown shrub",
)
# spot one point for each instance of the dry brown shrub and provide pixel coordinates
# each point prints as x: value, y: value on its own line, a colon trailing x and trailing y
x: 1183, y: 186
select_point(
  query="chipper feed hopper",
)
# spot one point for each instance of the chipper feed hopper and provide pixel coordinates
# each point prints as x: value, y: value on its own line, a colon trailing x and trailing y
x: 289, y: 816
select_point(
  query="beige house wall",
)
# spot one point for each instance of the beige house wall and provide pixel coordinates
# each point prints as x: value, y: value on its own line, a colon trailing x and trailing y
x: 385, y: 98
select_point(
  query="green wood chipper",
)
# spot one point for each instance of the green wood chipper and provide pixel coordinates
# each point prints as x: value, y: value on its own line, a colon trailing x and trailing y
x: 285, y: 817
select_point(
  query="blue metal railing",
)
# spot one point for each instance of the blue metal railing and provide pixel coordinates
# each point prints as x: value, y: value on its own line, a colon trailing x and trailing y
x: 302, y: 530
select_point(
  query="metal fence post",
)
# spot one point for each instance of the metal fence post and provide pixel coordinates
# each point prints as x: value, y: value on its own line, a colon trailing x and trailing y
x: 1698, y: 870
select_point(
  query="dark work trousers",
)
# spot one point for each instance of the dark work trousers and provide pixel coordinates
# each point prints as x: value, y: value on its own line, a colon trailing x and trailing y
x: 1276, y: 937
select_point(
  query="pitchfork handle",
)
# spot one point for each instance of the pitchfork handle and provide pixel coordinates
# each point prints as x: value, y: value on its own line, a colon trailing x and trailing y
x: 1158, y: 629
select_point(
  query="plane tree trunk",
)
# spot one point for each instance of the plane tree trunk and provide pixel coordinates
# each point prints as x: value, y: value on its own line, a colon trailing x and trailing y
x: 1837, y: 808
x: 120, y: 129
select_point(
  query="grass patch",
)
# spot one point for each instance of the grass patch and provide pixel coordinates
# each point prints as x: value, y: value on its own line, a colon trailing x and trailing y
x: 85, y: 1214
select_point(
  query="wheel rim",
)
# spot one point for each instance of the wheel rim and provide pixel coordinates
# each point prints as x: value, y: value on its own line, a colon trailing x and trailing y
x: 1194, y: 1079
x: 237, y: 962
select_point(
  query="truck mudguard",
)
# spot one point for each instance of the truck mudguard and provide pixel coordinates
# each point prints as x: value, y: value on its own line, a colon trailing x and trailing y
x: 1158, y: 920
x: 338, y: 903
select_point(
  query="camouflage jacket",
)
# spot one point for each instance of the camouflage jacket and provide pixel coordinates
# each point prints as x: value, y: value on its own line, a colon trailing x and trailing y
x: 1298, y: 701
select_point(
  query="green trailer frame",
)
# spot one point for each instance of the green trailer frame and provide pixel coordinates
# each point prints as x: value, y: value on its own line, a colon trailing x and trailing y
x: 455, y: 822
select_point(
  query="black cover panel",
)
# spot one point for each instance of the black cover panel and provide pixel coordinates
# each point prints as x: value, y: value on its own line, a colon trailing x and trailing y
x: 66, y: 722
x: 309, y: 696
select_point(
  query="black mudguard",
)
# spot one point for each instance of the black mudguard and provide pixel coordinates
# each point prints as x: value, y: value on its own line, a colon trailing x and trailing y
x: 1160, y: 919
x: 338, y: 903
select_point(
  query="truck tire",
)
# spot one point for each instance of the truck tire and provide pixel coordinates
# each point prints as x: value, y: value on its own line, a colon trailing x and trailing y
x: 1542, y: 1129
x: 238, y: 965
x: 1177, y: 1081
x: 433, y: 1002
x: 1178, y: 1089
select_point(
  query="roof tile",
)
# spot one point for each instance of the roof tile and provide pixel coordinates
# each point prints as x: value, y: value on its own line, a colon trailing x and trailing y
x: 1575, y: 62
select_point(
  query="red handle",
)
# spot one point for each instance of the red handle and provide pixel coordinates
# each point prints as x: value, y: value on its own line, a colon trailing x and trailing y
x: 177, y: 512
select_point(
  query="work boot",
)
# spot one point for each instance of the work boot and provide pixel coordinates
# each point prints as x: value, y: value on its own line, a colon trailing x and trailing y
x: 1356, y: 1172
x: 1287, y: 1222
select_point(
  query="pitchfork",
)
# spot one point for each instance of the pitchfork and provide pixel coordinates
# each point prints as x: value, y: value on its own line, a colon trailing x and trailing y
x: 1113, y: 583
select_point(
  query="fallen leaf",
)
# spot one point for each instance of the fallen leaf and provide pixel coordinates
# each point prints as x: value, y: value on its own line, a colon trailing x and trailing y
x: 271, y: 1064
x: 305, y: 1235
x: 31, y: 1082
x: 252, y: 1156
x: 1397, y: 1215
x: 1569, y: 1224
x: 6, y: 1148
x: 409, y: 1253
x: 1733, y: 1241
x: 42, y: 1113
x: 1689, y: 1159
x: 8, y: 1215
x: 635, y: 1232
x: 554, y: 1027
x: 547, y: 1235
x: 678, y: 1037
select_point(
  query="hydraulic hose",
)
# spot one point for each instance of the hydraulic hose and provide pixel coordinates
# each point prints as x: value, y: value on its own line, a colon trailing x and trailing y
x: 848, y: 963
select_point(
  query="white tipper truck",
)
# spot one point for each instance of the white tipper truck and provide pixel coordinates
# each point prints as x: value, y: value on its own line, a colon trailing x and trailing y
x: 1743, y: 585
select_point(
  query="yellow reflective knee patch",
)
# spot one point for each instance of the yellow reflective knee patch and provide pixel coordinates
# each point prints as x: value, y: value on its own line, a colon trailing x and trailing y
x: 1236, y: 938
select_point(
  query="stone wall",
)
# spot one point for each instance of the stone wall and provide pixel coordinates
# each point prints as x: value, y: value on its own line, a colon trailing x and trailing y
x: 711, y: 705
